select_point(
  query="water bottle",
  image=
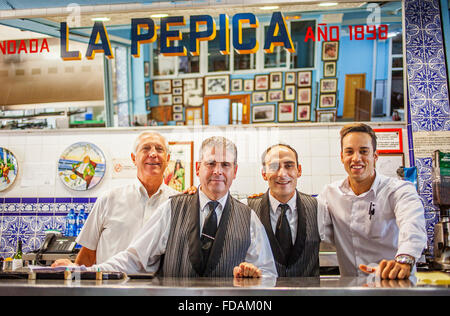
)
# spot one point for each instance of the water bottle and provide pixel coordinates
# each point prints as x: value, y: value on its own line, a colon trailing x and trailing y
x: 81, y: 218
x: 71, y: 219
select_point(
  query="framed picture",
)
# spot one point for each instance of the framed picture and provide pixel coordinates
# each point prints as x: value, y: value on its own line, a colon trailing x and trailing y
x: 286, y: 112
x: 177, y: 91
x: 389, y: 140
x: 276, y: 80
x: 289, y: 77
x: 217, y: 85
x: 329, y: 69
x: 388, y: 164
x: 10, y: 168
x: 147, y: 89
x: 303, y: 113
x: 146, y: 69
x: 177, y: 83
x: 165, y: 99
x: 193, y: 92
x: 162, y: 86
x: 236, y: 84
x: 327, y: 101
x: 194, y: 115
x: 177, y: 99
x: 259, y: 97
x: 330, y: 50
x: 249, y: 84
x: 304, y: 96
x: 179, y: 173
x: 261, y: 82
x: 147, y: 105
x: 326, y: 116
x: 328, y: 85
x: 304, y: 78
x: 263, y: 113
x: 275, y: 96
x: 178, y: 116
x: 177, y: 108
x: 289, y: 92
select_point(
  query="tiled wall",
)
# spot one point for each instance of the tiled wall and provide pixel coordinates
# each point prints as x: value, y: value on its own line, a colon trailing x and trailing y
x: 27, y: 209
x: 428, y: 98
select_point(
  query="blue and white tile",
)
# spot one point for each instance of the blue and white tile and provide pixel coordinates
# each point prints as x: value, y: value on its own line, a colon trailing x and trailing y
x: 432, y: 55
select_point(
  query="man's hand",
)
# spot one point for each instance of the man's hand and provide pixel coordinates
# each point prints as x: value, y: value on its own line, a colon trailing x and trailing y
x: 255, y: 195
x: 191, y: 191
x: 62, y: 263
x: 389, y: 270
x: 246, y: 270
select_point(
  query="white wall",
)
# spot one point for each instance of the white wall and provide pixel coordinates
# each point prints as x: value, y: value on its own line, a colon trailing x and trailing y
x: 318, y: 147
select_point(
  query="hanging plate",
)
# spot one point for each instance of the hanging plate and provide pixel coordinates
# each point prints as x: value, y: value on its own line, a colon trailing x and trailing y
x: 8, y: 168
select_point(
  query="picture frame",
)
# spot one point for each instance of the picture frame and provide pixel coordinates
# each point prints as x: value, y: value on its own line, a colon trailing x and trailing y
x: 249, y: 85
x: 236, y: 85
x: 193, y: 92
x: 304, y: 96
x: 259, y: 97
x: 146, y: 69
x: 327, y: 101
x: 328, y: 85
x: 286, y: 112
x: 304, y: 113
x: 263, y: 113
x: 330, y: 50
x: 147, y: 88
x: 217, y: 85
x: 177, y: 83
x: 304, y: 78
x: 147, y: 105
x: 388, y: 163
x: 178, y: 116
x: 177, y: 91
x: 162, y: 86
x: 261, y: 82
x: 326, y: 116
x: 179, y: 174
x: 177, y: 99
x: 177, y: 108
x: 275, y: 96
x: 276, y: 80
x: 165, y: 99
x: 194, y: 115
x: 289, y: 92
x: 289, y: 77
x: 389, y: 140
x: 329, y: 69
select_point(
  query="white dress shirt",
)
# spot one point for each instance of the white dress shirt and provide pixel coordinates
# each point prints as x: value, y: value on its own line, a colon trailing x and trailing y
x: 117, y: 216
x: 397, y: 225
x: 144, y: 253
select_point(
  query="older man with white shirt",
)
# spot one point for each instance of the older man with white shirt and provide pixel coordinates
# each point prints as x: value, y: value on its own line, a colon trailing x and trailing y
x: 121, y: 212
x: 371, y: 218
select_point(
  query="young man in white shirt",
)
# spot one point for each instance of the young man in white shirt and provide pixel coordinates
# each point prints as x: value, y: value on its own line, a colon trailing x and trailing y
x: 371, y: 218
x: 121, y: 212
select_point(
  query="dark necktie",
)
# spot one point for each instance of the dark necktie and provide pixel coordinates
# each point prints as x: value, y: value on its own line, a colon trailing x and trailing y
x: 283, y: 231
x: 209, y: 231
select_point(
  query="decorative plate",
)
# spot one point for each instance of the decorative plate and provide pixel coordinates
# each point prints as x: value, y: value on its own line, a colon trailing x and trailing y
x: 8, y: 168
x: 81, y: 166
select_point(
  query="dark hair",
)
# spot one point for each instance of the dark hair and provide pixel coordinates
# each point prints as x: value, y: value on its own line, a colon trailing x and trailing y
x: 264, y: 154
x: 362, y: 128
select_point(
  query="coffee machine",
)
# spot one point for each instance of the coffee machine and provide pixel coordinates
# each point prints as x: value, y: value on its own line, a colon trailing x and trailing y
x: 441, y: 198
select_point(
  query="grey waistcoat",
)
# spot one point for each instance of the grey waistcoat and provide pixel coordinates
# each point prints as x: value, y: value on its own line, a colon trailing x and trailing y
x: 183, y: 257
x: 304, y: 258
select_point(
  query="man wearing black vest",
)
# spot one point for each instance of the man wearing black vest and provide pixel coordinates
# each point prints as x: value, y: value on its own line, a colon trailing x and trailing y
x: 289, y: 216
x: 208, y: 234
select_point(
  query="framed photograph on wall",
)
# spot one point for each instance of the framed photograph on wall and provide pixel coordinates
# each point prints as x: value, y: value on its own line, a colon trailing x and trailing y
x: 193, y: 92
x: 276, y: 81
x: 286, y: 112
x: 147, y: 89
x: 177, y: 83
x: 147, y: 105
x: 388, y: 164
x: 329, y: 69
x: 165, y: 99
x: 178, y: 116
x: 249, y: 85
x: 304, y: 96
x: 326, y: 116
x: 263, y: 113
x: 304, y: 113
x: 259, y: 97
x: 177, y: 108
x: 146, y: 69
x: 289, y: 92
x: 304, y: 78
x: 179, y: 174
x: 261, y: 82
x: 389, y: 140
x: 236, y: 85
x: 290, y: 77
x: 327, y: 101
x: 275, y: 96
x: 330, y: 50
x: 217, y: 85
x: 177, y: 99
x: 177, y: 91
x: 328, y: 85
x: 162, y: 86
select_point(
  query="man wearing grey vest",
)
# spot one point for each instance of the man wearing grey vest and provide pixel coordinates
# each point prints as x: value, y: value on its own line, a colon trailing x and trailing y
x: 289, y: 216
x: 208, y: 234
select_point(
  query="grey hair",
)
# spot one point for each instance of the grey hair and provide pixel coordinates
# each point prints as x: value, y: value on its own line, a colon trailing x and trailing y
x: 218, y: 141
x: 146, y: 133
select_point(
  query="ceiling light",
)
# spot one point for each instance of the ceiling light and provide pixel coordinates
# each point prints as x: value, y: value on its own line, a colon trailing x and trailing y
x: 273, y: 7
x: 159, y: 15
x: 327, y: 4
x: 103, y: 19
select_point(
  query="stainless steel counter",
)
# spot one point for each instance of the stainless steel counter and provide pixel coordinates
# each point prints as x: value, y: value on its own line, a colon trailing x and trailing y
x: 221, y: 287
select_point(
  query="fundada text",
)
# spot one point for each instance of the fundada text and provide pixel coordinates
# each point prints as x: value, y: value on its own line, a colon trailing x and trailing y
x: 32, y: 46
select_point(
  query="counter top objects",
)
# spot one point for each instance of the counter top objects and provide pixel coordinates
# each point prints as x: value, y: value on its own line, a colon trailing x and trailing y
x: 183, y: 287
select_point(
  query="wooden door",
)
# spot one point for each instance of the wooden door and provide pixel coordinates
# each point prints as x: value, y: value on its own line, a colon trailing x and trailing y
x: 352, y: 82
x: 244, y: 99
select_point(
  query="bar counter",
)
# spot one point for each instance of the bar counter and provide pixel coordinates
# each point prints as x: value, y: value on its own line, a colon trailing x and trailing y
x: 330, y: 285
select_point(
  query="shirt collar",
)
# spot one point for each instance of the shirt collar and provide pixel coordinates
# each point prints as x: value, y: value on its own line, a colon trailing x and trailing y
x: 204, y: 200
x: 346, y: 190
x: 274, y: 203
x: 143, y: 191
